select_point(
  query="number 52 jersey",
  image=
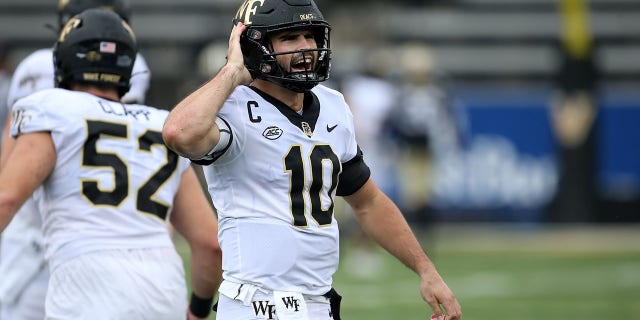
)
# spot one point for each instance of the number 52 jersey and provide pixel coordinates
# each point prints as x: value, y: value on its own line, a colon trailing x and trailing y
x: 273, y: 184
x: 114, y: 179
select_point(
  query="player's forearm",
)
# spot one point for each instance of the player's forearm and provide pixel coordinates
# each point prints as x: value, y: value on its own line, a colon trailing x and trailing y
x: 14, y: 191
x: 206, y: 271
x: 8, y: 208
x: 397, y: 238
x: 381, y: 219
x: 205, y: 280
x: 190, y: 128
x: 28, y: 165
x: 7, y: 142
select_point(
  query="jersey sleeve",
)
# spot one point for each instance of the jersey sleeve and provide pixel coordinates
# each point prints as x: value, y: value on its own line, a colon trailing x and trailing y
x: 355, y: 171
x: 140, y: 80
x: 37, y: 112
x: 33, y: 74
x: 226, y: 138
x: 232, y: 130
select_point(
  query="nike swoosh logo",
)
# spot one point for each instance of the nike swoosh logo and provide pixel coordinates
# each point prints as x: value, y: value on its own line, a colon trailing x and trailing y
x: 329, y: 129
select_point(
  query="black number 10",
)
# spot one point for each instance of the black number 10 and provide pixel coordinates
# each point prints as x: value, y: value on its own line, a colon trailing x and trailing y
x: 321, y: 156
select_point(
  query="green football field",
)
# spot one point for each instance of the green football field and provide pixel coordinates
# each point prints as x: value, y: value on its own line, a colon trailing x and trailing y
x: 503, y: 272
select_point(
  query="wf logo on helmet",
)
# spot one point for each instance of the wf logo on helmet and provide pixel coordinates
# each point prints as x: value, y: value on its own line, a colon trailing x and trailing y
x: 247, y: 10
x: 71, y: 24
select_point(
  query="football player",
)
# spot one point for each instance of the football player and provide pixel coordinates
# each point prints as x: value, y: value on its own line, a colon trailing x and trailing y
x: 109, y: 187
x: 25, y: 274
x: 278, y: 147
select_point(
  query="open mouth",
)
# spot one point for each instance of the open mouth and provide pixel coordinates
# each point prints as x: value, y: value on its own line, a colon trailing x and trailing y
x: 301, y: 63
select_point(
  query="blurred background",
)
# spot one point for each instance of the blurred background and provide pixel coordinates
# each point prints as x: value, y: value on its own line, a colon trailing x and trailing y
x: 473, y: 110
x: 506, y: 130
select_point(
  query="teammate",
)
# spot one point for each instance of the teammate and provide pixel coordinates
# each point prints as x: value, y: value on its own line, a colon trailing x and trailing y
x: 35, y: 72
x: 109, y: 187
x: 25, y: 274
x: 279, y: 148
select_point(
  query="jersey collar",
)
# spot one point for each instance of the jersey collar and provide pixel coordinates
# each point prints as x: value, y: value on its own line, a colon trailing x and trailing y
x: 310, y: 110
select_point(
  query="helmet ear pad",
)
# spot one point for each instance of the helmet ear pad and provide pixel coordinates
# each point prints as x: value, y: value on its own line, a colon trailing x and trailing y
x: 257, y: 57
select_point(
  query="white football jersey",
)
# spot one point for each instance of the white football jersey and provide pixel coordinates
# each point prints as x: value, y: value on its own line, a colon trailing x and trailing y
x: 274, y: 186
x: 114, y: 180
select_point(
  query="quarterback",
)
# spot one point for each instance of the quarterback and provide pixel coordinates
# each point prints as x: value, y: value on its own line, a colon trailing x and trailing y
x: 277, y: 148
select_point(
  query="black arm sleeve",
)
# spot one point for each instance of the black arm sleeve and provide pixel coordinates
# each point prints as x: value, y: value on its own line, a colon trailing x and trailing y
x: 354, y: 174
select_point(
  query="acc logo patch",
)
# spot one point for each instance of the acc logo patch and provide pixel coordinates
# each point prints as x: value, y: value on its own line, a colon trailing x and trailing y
x: 272, y: 133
